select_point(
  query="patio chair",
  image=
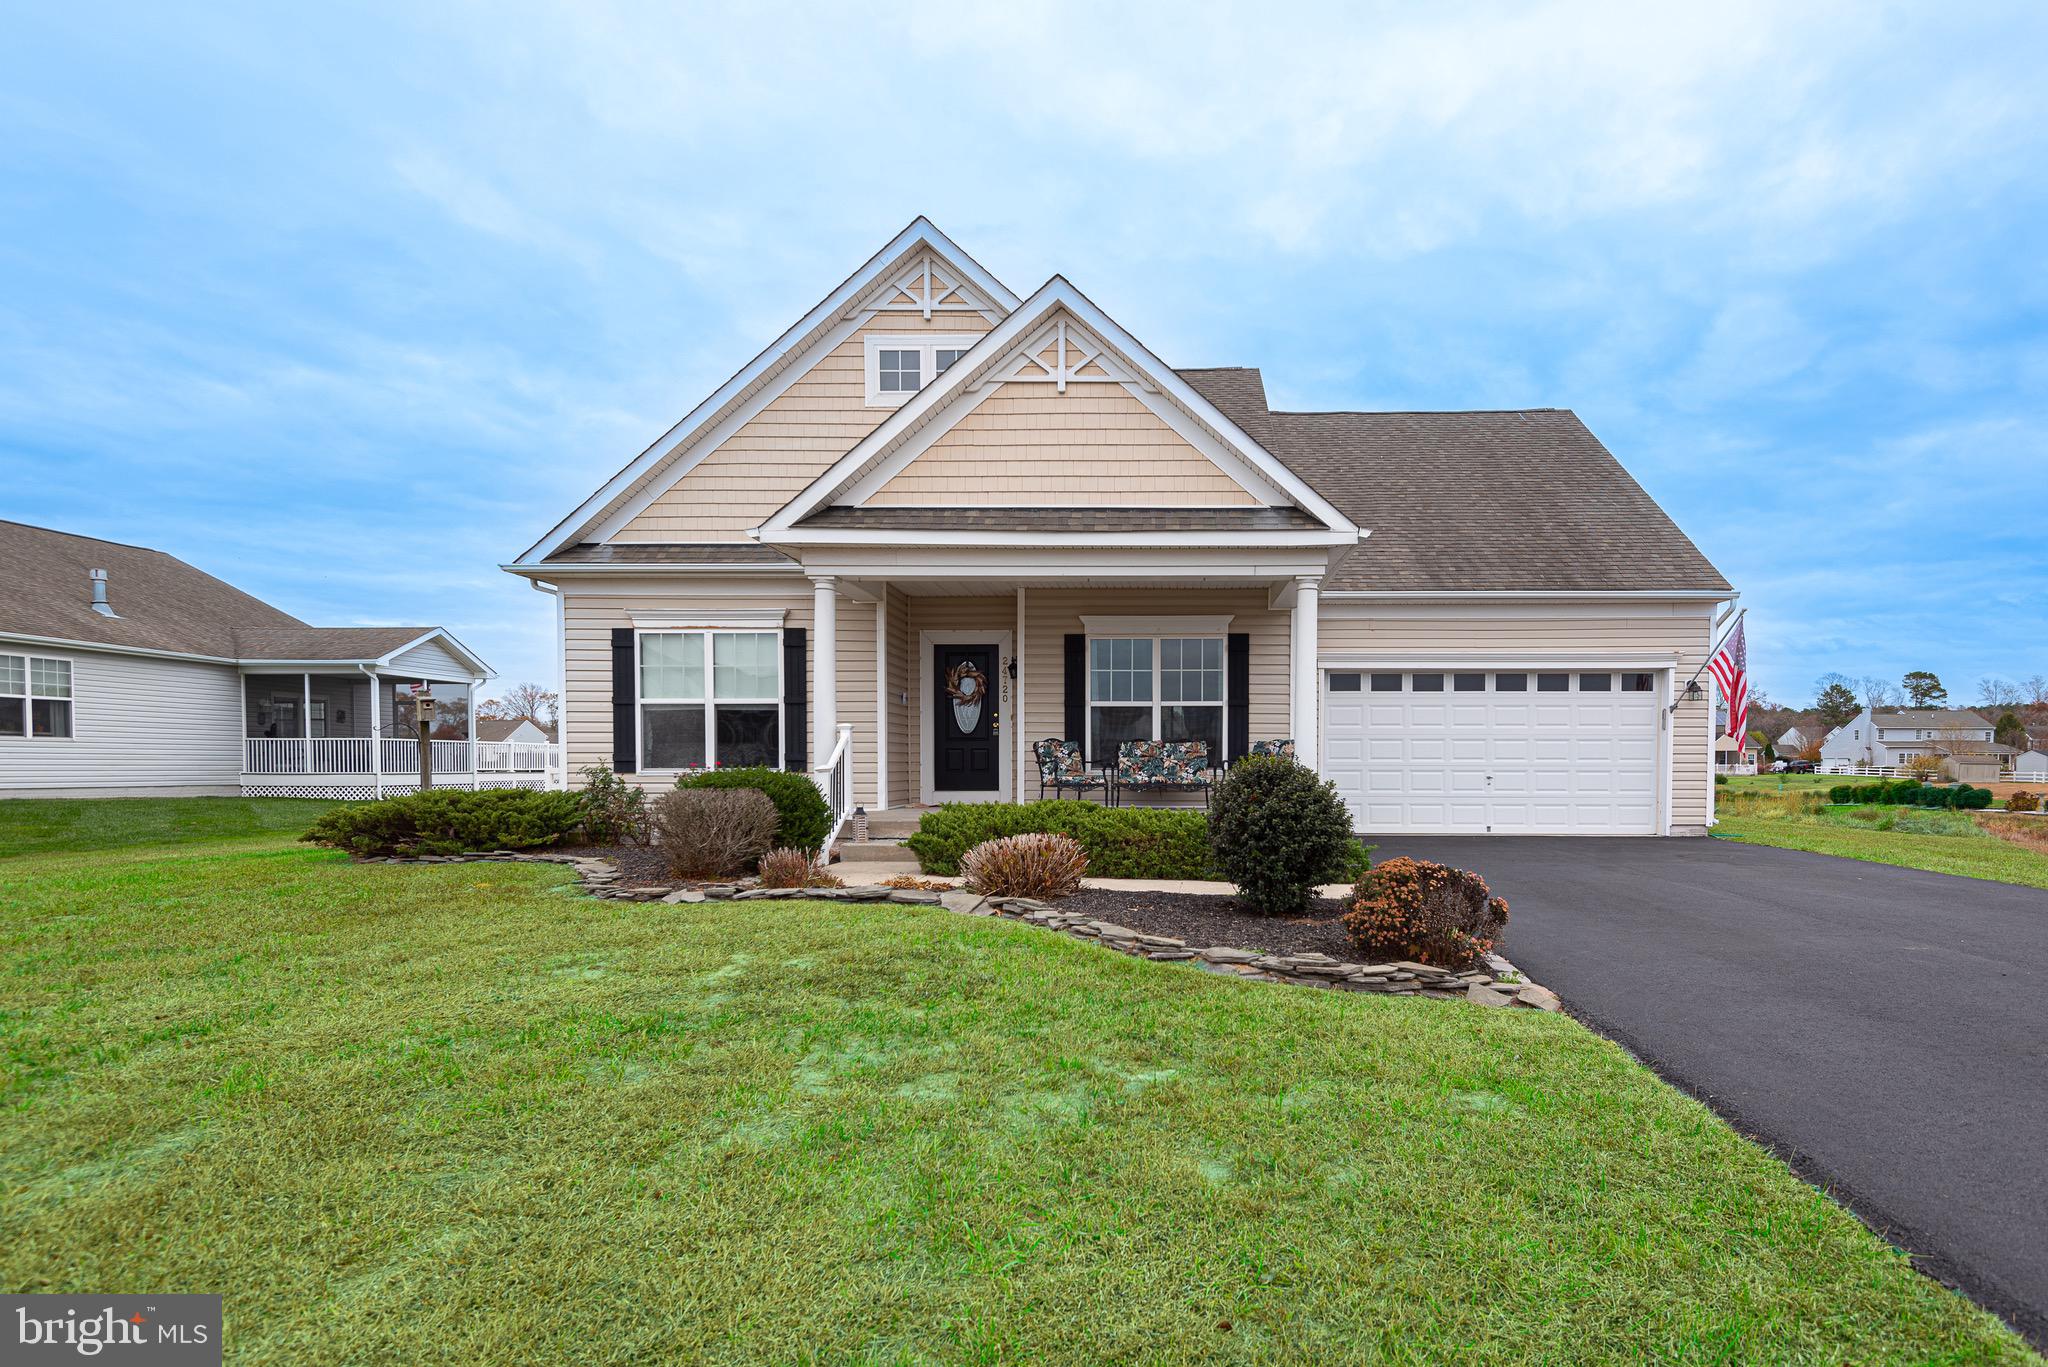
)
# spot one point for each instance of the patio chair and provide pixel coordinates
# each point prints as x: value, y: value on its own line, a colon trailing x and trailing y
x: 1162, y: 765
x: 1060, y: 766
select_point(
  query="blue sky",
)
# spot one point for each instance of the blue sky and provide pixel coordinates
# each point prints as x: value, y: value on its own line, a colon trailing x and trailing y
x: 348, y: 305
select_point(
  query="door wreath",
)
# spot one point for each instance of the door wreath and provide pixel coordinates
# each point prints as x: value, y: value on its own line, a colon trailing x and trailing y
x: 966, y: 686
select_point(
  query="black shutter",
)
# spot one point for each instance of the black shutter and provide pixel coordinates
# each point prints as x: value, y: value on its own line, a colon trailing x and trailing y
x: 1237, y: 687
x: 1077, y: 691
x: 796, y: 727
x: 625, y: 734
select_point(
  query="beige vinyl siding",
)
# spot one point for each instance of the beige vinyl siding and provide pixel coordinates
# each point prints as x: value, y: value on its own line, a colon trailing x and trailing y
x: 138, y: 724
x: 1095, y: 445
x: 1675, y: 633
x: 1050, y: 615
x: 785, y: 446
x: 430, y: 660
x: 903, y: 710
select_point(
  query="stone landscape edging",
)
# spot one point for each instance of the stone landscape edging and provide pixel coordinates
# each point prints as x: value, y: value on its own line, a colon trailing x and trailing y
x: 1499, y: 983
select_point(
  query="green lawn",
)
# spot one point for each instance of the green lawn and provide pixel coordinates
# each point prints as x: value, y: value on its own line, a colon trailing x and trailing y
x: 43, y: 825
x: 401, y: 1114
x: 1910, y: 837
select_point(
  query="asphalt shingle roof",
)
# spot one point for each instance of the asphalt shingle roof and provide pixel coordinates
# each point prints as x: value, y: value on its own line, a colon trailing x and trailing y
x: 1522, y: 500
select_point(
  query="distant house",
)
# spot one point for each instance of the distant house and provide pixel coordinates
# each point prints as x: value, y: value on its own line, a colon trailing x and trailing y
x: 126, y: 671
x: 2032, y: 767
x: 1791, y: 742
x: 1888, y: 737
x: 513, y: 731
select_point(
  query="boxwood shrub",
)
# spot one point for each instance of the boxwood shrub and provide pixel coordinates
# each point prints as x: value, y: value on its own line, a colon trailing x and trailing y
x: 1278, y: 831
x: 1121, y: 842
x: 450, y: 821
x: 806, y: 820
x: 1908, y: 792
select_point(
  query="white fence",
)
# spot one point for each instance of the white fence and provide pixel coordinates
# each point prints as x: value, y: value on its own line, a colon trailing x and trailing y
x: 351, y: 755
x: 835, y: 780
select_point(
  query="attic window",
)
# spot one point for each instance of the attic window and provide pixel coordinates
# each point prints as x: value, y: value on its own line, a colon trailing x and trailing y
x: 898, y: 367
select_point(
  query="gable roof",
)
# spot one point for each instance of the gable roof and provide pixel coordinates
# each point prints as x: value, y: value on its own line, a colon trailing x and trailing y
x: 771, y: 363
x: 500, y: 728
x: 1928, y: 717
x: 1524, y: 500
x: 165, y: 606
x: 1056, y: 297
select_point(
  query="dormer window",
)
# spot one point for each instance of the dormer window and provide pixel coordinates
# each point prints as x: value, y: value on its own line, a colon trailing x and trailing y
x: 900, y: 366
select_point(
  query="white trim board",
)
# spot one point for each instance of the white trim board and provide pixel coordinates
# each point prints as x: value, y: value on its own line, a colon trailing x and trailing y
x: 877, y: 272
x: 1156, y: 626
x: 923, y: 719
x: 1055, y: 296
x: 686, y: 619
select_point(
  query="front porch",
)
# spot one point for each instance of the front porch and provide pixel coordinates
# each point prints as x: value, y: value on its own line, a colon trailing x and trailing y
x: 357, y: 735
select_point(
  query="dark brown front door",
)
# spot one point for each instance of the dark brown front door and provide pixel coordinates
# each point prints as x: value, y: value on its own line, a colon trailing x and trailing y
x: 964, y: 730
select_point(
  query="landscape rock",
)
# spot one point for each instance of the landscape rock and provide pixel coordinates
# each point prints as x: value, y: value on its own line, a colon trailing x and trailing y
x: 684, y: 895
x: 1488, y: 996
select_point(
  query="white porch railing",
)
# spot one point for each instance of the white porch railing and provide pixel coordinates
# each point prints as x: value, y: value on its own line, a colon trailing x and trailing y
x: 835, y: 780
x: 351, y: 755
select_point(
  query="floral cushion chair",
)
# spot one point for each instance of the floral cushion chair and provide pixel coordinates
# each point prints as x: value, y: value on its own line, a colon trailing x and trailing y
x: 1162, y: 764
x: 1283, y: 748
x: 1060, y: 766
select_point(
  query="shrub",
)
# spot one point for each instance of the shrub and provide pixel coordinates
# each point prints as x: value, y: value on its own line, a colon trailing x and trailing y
x: 1841, y: 794
x: 450, y: 821
x: 2023, y: 801
x: 1425, y: 912
x: 614, y: 811
x: 711, y: 833
x: 1974, y: 799
x: 1278, y: 831
x: 1120, y: 842
x: 1924, y: 766
x: 1720, y: 780
x: 788, y: 868
x: 1030, y: 865
x: 805, y: 820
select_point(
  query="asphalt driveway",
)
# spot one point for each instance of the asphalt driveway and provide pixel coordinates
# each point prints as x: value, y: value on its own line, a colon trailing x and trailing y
x: 1884, y: 1030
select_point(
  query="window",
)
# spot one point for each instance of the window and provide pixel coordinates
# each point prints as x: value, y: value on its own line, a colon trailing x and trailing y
x: 35, y: 697
x: 1636, y: 683
x: 1596, y: 683
x: 1386, y: 683
x: 1429, y: 683
x: 897, y: 367
x: 723, y: 716
x: 1469, y: 683
x: 1511, y: 683
x: 1155, y: 688
x: 1553, y: 683
x: 1346, y: 683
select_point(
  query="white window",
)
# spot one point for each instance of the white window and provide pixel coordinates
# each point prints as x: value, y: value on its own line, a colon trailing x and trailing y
x: 726, y: 716
x: 898, y: 367
x: 35, y: 697
x: 1155, y: 688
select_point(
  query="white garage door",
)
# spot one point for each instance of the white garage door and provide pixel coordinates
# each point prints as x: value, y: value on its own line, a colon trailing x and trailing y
x: 1494, y: 751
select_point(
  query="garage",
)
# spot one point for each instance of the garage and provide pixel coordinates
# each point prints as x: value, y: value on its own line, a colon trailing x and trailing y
x: 1529, y: 752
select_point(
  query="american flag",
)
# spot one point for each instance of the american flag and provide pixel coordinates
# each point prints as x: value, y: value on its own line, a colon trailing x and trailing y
x: 1731, y: 670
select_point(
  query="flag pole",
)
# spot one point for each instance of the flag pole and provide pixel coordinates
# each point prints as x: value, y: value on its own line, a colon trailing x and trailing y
x: 1733, y: 622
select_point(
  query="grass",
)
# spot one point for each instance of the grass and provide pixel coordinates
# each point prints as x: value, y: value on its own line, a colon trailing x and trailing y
x: 46, y: 825
x: 1999, y: 848
x: 400, y: 1114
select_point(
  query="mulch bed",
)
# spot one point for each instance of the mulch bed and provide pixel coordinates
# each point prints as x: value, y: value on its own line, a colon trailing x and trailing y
x: 1205, y: 920
x: 637, y: 863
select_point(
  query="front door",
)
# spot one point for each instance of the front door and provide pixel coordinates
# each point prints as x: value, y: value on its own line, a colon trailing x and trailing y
x: 965, y: 726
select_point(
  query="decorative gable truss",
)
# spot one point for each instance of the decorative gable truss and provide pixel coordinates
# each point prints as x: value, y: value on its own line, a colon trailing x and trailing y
x: 1068, y: 353
x: 931, y: 285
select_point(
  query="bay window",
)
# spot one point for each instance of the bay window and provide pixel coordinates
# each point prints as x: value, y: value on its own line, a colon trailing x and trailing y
x: 35, y: 697
x: 710, y: 699
x: 1155, y: 688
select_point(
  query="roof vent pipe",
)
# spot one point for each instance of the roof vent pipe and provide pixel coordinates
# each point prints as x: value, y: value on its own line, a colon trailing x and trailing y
x: 99, y: 594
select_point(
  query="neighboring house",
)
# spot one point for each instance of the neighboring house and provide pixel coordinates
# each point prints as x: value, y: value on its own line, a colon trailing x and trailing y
x: 513, y: 731
x: 1888, y: 737
x: 2032, y: 767
x: 934, y: 522
x: 514, y: 745
x: 1790, y: 743
x: 127, y: 671
x: 1732, y: 755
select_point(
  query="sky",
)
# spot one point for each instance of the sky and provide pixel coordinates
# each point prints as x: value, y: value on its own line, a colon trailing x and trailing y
x: 347, y: 304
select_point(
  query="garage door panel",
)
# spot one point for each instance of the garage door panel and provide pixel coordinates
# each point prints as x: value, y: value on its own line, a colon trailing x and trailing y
x: 1505, y: 760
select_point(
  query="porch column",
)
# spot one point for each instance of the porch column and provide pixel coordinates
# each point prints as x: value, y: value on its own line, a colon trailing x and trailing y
x: 881, y: 696
x: 824, y: 668
x: 306, y: 724
x: 376, y: 741
x: 1304, y: 673
x: 476, y: 696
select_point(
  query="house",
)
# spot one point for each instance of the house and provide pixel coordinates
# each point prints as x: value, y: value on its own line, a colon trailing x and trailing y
x: 514, y: 745
x: 127, y: 672
x: 934, y: 522
x: 2031, y: 767
x: 512, y: 731
x: 1790, y: 743
x: 1732, y: 755
x: 1889, y: 737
